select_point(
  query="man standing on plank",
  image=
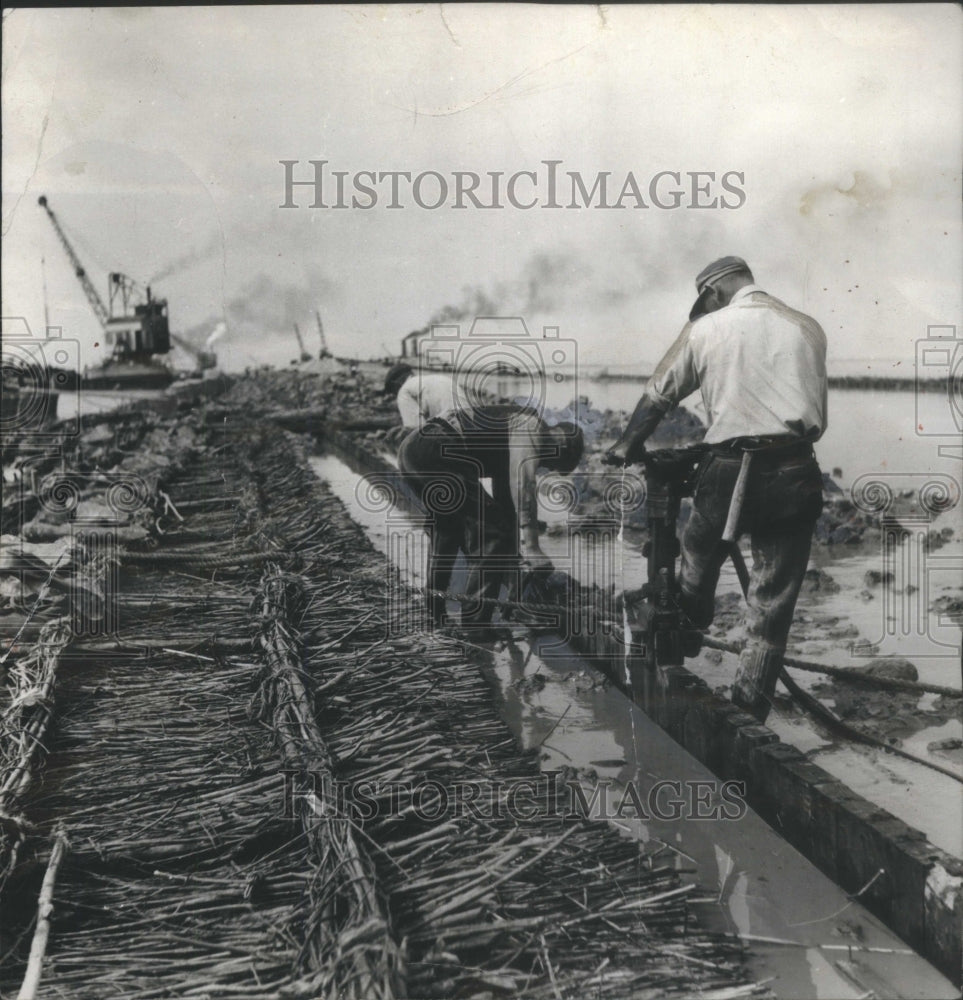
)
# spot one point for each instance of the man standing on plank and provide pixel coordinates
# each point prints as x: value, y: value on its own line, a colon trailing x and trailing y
x: 761, y: 367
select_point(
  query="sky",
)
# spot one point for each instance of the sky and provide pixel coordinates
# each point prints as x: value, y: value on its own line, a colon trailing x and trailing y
x: 157, y: 136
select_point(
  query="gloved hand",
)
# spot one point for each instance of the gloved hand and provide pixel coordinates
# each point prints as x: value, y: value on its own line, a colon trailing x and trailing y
x: 624, y: 453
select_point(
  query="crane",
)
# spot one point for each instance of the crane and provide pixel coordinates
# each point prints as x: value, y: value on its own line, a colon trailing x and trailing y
x: 96, y: 302
x: 325, y: 353
x: 304, y: 354
x: 141, y: 330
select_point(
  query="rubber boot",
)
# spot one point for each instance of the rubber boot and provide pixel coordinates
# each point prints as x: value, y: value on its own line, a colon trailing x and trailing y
x: 755, y: 681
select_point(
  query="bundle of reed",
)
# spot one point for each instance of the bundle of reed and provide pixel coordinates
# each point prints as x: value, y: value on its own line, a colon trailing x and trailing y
x: 468, y: 895
x: 183, y: 877
x: 27, y: 714
x: 349, y: 939
x: 491, y: 902
x: 148, y: 796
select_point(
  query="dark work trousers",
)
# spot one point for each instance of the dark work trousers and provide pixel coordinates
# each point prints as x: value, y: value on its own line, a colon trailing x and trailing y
x: 782, y: 503
x: 441, y: 468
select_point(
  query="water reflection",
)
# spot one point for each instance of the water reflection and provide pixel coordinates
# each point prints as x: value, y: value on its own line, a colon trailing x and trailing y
x: 754, y: 883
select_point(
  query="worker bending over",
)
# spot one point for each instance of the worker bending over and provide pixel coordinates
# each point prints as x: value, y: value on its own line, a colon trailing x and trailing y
x: 475, y: 470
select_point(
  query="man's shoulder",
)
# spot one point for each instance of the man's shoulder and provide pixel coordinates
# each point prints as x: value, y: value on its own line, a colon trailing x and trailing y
x: 779, y: 307
x: 764, y: 298
x: 699, y: 329
x: 797, y: 315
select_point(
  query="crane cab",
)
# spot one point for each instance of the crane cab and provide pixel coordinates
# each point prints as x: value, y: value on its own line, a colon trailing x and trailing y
x: 144, y: 333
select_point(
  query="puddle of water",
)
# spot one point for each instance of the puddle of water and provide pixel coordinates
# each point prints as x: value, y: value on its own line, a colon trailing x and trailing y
x: 754, y: 884
x: 935, y: 653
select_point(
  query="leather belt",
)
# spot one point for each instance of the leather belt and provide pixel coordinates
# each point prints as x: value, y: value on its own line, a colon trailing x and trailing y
x: 766, y: 447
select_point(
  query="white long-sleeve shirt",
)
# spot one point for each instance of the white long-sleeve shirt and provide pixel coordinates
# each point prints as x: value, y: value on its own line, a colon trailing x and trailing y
x: 761, y: 367
x: 424, y: 395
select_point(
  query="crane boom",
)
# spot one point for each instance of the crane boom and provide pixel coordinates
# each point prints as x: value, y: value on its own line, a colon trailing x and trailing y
x: 324, y: 342
x: 141, y: 330
x: 205, y: 359
x: 96, y: 302
x: 304, y: 354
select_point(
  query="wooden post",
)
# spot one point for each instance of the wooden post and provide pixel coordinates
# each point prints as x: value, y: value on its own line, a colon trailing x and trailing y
x: 38, y: 946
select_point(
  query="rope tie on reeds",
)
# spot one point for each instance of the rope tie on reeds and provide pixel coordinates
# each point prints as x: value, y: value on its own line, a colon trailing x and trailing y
x: 204, y: 561
x: 22, y: 732
x: 349, y: 942
x: 38, y: 947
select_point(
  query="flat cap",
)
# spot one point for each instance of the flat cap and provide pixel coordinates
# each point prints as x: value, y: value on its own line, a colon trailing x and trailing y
x: 717, y: 269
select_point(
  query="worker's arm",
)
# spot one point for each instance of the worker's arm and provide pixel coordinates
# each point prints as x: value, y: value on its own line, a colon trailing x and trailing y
x: 645, y: 418
x: 525, y: 451
x: 675, y: 378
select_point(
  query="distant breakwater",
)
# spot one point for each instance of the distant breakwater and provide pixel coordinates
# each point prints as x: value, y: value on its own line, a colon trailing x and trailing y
x: 884, y: 382
x: 896, y: 383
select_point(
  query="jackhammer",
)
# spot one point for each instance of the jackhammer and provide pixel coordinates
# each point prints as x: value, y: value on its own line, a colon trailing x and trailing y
x: 656, y: 618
